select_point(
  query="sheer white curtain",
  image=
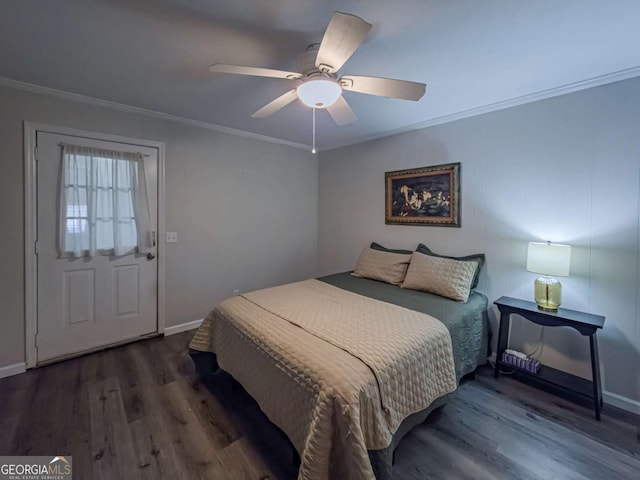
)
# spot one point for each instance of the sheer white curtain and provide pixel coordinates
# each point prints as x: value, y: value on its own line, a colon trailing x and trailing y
x: 103, y: 205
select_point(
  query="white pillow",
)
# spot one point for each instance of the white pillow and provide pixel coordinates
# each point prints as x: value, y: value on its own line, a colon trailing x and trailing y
x: 443, y: 276
x: 383, y: 266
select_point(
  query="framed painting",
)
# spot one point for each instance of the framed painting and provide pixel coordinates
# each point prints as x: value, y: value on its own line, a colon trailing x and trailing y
x: 427, y: 196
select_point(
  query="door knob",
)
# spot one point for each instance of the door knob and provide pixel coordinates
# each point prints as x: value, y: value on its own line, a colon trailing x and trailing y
x: 150, y: 256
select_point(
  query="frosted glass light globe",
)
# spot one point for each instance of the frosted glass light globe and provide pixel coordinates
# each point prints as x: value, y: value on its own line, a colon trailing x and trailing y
x: 320, y: 93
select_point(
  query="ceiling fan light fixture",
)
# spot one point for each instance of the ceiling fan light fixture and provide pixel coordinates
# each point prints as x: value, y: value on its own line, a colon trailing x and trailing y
x: 319, y: 93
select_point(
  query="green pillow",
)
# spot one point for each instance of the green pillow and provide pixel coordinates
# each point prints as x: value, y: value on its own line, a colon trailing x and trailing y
x: 478, y: 257
x: 377, y: 246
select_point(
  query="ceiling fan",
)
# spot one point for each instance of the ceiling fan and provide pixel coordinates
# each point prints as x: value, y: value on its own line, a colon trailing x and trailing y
x: 319, y: 85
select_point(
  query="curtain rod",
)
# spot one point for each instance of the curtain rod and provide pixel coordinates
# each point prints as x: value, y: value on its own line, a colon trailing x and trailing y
x: 68, y: 144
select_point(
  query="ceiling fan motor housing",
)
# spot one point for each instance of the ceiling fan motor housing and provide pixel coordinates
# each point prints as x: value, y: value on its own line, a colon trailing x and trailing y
x: 307, y: 61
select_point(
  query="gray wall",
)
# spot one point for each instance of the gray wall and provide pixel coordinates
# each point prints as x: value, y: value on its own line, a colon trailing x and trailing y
x: 566, y: 169
x: 245, y: 210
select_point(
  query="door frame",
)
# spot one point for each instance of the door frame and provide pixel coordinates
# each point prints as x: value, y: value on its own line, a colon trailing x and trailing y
x: 31, y: 221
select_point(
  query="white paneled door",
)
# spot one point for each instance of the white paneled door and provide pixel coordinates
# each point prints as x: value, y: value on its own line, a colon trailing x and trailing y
x: 88, y: 302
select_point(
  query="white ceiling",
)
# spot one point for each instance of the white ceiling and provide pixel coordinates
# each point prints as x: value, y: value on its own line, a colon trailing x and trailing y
x: 155, y: 54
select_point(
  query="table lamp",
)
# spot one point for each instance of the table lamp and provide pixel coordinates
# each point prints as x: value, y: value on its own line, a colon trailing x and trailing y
x: 548, y: 259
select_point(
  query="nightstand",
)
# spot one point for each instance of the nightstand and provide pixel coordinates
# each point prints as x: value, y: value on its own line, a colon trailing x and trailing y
x: 585, y: 323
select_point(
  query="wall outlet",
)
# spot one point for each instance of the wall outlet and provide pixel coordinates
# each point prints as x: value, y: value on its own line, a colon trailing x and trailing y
x: 171, y: 237
x: 236, y: 293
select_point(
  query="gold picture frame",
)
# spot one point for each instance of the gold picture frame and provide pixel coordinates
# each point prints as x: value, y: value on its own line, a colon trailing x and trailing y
x: 427, y: 196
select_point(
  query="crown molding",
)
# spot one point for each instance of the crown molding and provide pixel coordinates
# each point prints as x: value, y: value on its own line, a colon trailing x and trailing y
x: 513, y: 102
x: 493, y: 107
x: 75, y: 97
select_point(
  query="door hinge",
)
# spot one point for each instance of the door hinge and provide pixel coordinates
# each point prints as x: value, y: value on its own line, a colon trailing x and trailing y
x: 35, y: 153
x: 36, y: 247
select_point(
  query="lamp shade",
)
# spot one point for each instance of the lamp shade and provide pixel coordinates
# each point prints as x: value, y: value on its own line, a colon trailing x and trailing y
x: 319, y: 93
x: 549, y: 259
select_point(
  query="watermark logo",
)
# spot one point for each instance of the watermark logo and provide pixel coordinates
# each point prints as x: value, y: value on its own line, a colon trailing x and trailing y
x: 36, y: 468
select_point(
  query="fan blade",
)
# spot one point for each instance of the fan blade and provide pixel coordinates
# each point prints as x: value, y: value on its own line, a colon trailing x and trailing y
x: 341, y: 112
x: 384, y: 87
x: 275, y: 105
x: 343, y: 36
x: 258, y: 72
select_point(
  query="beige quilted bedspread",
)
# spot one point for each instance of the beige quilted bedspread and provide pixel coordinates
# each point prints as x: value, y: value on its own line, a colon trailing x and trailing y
x: 336, y: 371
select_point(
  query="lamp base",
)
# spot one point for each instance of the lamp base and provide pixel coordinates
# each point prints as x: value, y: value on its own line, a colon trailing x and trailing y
x: 548, y: 293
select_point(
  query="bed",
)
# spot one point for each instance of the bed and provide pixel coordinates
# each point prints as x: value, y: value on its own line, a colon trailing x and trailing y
x: 342, y: 408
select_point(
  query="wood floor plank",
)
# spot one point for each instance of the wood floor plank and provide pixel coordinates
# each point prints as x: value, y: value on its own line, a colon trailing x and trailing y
x: 153, y: 356
x: 111, y: 440
x: 80, y: 433
x: 49, y: 406
x: 133, y: 380
x: 216, y: 422
x: 154, y: 455
x: 138, y: 412
x: 536, y: 454
x: 618, y: 429
x: 241, y: 461
x: 197, y: 453
x: 13, y: 395
x: 587, y: 454
x: 449, y: 430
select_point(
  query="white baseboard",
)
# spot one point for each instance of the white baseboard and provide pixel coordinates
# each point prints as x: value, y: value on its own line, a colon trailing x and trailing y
x: 15, y: 369
x: 183, y: 327
x: 621, y: 402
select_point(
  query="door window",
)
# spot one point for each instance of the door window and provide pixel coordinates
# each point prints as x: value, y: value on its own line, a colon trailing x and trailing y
x: 103, y: 202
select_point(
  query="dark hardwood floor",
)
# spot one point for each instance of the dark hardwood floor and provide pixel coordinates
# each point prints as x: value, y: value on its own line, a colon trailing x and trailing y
x: 139, y: 412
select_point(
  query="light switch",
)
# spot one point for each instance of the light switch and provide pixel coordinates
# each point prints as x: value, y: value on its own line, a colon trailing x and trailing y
x: 171, y: 237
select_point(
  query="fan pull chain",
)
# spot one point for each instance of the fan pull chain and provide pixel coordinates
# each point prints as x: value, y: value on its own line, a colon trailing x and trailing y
x: 313, y: 148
